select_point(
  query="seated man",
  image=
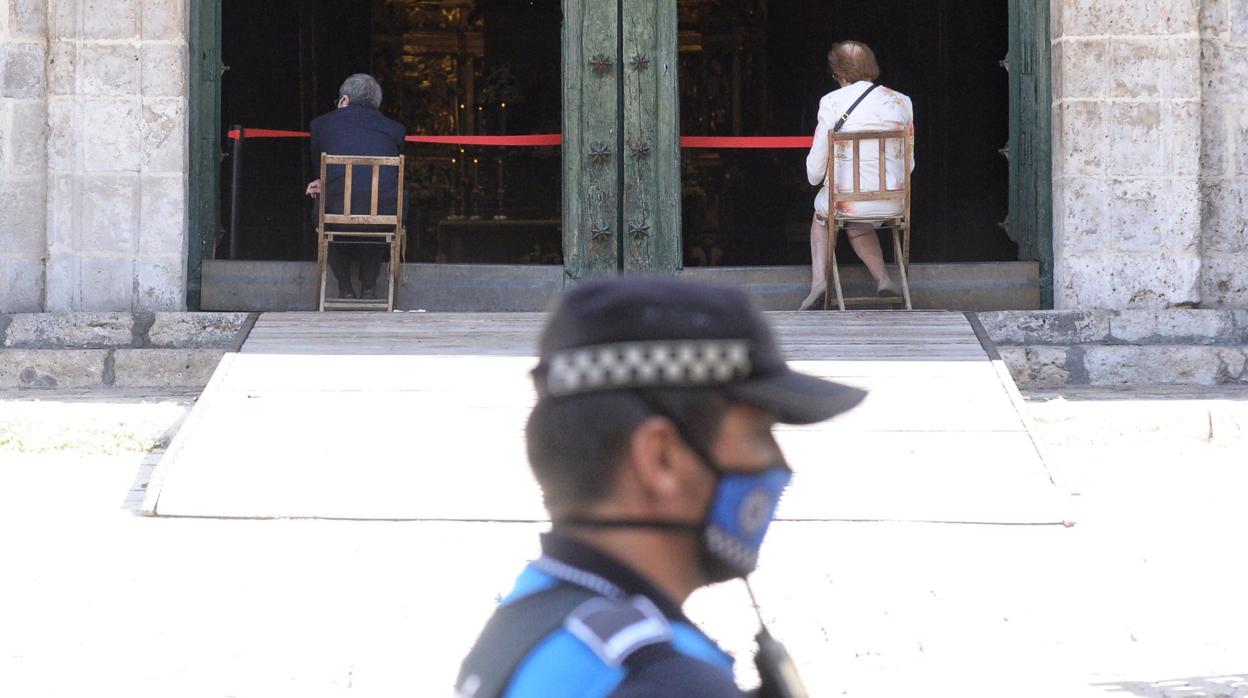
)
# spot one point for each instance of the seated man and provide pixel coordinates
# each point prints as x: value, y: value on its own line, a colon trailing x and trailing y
x: 356, y: 127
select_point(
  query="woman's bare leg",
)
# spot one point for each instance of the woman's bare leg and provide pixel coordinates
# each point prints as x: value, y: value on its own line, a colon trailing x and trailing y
x: 818, y: 253
x: 867, y: 246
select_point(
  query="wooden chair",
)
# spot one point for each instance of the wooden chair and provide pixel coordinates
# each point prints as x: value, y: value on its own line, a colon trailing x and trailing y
x: 345, y: 228
x: 900, y: 224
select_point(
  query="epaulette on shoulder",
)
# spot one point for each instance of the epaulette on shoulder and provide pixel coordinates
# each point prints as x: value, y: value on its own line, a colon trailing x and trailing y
x: 615, y: 629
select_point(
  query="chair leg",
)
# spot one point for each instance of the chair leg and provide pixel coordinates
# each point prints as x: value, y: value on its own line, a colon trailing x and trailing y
x: 395, y: 252
x: 901, y: 267
x: 322, y: 250
x: 835, y: 270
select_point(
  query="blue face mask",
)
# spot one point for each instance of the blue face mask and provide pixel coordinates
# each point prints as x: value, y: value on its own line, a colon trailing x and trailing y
x: 742, y: 509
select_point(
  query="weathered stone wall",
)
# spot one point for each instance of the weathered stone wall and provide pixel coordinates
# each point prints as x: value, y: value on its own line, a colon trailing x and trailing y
x: 23, y: 154
x: 1127, y: 145
x: 117, y: 154
x: 1224, y: 160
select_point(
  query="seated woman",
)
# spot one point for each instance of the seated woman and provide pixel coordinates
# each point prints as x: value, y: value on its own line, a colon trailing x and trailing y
x: 855, y: 69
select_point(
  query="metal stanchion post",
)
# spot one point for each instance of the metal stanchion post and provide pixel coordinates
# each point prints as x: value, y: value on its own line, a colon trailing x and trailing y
x: 235, y: 188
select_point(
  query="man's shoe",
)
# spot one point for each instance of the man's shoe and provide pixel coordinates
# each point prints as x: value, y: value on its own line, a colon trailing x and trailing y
x: 815, y: 297
x: 368, y: 294
x: 346, y: 293
x: 887, y: 289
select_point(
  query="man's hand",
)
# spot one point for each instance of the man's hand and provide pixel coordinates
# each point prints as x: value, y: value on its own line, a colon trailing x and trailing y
x: 314, y: 188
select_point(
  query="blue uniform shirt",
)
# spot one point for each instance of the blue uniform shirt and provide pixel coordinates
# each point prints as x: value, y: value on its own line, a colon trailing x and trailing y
x: 629, y: 640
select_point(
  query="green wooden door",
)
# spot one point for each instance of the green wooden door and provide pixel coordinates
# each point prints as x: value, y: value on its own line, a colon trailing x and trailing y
x: 1030, y: 151
x: 203, y: 194
x: 621, y: 143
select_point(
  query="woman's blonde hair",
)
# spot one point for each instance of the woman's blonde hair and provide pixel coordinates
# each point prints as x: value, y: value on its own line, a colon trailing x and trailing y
x: 853, y: 61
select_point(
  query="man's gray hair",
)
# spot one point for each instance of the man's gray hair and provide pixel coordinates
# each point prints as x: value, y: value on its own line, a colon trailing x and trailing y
x: 361, y: 89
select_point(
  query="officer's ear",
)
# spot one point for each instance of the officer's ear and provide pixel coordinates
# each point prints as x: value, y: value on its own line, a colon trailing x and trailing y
x: 661, y: 464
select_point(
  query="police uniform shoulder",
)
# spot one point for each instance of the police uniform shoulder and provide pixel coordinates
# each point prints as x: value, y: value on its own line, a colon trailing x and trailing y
x: 616, y: 629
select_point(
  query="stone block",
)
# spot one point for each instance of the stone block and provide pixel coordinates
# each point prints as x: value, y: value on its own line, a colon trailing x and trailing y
x: 1137, y: 139
x: 104, y: 284
x: 1082, y: 224
x: 1224, y: 223
x: 28, y: 19
x: 162, y: 226
x: 197, y: 330
x: 63, y: 19
x: 1162, y: 365
x: 1085, y: 138
x: 164, y: 70
x: 1215, y: 18
x: 1181, y: 128
x: 22, y: 73
x: 27, y: 152
x: 164, y: 135
x: 165, y: 368
x: 1240, y: 130
x: 1224, y: 280
x: 1046, y: 327
x: 1038, y: 367
x: 21, y: 284
x: 1239, y: 21
x: 52, y: 368
x: 1158, y: 18
x: 61, y: 285
x: 108, y: 213
x: 1178, y: 326
x: 1151, y: 68
x: 106, y: 70
x: 62, y: 231
x: 70, y: 331
x: 160, y: 283
x: 109, y: 19
x: 1216, y: 143
x: 111, y: 132
x: 1162, y: 279
x: 23, y: 208
x: 1223, y: 67
x: 1082, y: 17
x: 61, y: 68
x: 62, y: 134
x: 164, y: 20
x: 1085, y: 63
x: 1151, y: 215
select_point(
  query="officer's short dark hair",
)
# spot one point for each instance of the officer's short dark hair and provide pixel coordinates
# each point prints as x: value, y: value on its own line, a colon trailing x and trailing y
x: 576, y: 443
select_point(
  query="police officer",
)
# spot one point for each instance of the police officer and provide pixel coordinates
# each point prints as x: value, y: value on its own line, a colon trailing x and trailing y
x: 652, y: 442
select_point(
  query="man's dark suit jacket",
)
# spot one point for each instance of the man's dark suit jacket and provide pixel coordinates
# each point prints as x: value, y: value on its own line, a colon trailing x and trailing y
x: 357, y: 130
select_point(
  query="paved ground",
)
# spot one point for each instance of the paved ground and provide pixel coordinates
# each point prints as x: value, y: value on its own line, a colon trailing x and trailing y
x: 1144, y: 597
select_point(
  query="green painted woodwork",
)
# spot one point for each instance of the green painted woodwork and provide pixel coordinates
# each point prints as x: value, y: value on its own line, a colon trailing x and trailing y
x: 591, y: 139
x: 204, y: 130
x: 651, y: 204
x: 1031, y: 138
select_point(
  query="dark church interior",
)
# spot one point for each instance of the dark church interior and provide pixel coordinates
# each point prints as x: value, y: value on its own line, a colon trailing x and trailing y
x: 747, y: 68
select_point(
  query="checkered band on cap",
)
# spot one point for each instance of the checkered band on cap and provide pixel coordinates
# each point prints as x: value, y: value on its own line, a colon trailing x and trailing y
x: 644, y: 365
x: 730, y: 549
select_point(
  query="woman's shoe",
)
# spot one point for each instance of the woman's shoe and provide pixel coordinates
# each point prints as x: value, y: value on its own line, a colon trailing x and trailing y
x: 815, y: 297
x: 887, y: 289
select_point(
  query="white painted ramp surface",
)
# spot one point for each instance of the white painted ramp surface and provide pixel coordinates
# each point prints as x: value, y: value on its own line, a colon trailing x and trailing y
x: 421, y: 417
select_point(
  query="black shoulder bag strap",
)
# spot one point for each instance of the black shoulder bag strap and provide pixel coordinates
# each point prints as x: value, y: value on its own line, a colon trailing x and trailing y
x: 845, y: 117
x: 511, y: 634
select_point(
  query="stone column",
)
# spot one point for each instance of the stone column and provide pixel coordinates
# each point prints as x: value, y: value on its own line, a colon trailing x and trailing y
x: 117, y: 75
x: 1224, y: 160
x: 1126, y: 153
x: 23, y: 154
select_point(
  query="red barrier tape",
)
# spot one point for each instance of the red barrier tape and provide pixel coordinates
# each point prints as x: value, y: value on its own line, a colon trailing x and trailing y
x: 552, y: 139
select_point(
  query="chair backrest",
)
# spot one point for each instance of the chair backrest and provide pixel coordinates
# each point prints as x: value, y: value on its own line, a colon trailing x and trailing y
x: 881, y: 192
x: 349, y: 217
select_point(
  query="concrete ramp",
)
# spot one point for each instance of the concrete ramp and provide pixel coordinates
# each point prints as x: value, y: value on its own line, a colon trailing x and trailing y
x: 420, y: 417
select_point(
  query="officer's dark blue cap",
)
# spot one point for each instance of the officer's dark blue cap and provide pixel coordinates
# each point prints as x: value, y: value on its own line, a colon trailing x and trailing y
x: 658, y: 332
